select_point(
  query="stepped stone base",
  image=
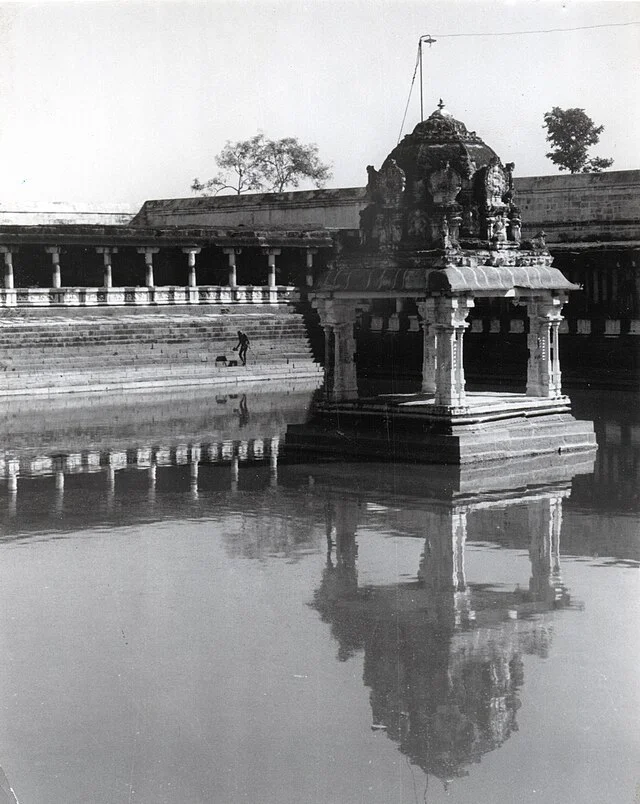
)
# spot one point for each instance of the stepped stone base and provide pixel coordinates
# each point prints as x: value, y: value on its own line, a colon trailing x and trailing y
x: 491, y: 427
x: 44, y: 353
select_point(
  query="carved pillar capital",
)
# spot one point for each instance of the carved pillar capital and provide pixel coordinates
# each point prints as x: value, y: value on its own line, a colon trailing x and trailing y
x: 451, y: 312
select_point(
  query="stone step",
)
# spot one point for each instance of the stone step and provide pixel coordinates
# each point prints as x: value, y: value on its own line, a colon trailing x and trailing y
x: 15, y: 337
x: 113, y: 347
x: 98, y: 346
x: 154, y: 365
x: 49, y: 382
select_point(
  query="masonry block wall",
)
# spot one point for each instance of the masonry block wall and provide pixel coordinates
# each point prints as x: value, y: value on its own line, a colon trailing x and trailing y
x: 586, y: 206
x: 581, y: 207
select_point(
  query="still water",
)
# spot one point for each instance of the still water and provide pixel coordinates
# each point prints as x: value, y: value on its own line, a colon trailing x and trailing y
x: 187, y: 615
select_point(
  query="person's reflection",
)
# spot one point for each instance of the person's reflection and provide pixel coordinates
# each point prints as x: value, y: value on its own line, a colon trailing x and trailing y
x: 442, y: 658
x: 243, y: 412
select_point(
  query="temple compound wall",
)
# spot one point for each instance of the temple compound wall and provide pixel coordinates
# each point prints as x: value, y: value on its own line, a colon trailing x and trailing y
x: 591, y: 224
x: 83, y: 267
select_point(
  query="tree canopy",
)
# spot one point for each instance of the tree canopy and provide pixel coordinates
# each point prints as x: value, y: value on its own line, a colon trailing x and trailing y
x: 571, y: 133
x: 260, y: 164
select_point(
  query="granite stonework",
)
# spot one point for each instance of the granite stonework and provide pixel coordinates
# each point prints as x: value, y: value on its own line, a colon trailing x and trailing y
x: 505, y: 426
x: 440, y: 230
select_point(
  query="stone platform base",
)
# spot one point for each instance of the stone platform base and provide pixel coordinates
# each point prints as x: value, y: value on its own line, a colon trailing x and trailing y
x: 490, y: 427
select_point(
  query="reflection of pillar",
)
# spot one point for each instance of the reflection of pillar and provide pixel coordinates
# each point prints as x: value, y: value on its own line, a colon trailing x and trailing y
x: 450, y: 315
x: 111, y: 485
x: 151, y: 474
x: 191, y: 253
x: 235, y: 472
x: 148, y: 260
x: 12, y: 487
x: 56, y: 280
x: 193, y: 477
x: 59, y: 492
x: 342, y: 516
x: 442, y: 568
x: 107, y: 253
x: 543, y: 367
x: 273, y: 461
x: 545, y: 525
x: 426, y: 309
x: 8, y: 266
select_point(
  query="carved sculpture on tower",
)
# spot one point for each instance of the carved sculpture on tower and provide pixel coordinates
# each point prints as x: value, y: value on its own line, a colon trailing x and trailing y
x: 440, y: 184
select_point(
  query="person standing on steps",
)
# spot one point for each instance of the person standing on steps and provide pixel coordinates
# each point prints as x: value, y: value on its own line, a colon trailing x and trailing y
x: 242, y: 346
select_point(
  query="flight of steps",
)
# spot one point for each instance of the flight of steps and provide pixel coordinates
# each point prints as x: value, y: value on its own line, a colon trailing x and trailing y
x: 49, y: 351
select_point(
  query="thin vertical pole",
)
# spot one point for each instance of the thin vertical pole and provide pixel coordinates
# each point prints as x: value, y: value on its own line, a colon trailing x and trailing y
x: 420, y: 59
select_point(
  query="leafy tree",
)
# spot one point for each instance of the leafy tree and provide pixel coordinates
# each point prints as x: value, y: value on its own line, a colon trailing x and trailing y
x: 571, y: 133
x: 261, y: 164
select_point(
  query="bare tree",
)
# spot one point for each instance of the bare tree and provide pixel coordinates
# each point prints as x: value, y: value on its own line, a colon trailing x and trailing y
x: 261, y: 164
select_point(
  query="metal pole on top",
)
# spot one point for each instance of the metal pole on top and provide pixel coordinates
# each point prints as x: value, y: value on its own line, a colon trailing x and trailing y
x: 429, y: 40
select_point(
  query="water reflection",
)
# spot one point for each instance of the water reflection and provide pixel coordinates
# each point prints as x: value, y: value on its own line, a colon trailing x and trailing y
x: 384, y: 559
x: 443, y: 657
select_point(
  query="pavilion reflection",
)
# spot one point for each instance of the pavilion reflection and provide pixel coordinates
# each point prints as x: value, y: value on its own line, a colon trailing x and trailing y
x: 444, y: 658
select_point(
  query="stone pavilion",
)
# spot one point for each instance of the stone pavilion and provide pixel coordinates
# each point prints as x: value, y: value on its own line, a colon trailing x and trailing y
x: 441, y: 229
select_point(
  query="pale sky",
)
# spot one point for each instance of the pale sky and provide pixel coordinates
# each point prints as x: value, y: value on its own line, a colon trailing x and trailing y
x: 119, y: 102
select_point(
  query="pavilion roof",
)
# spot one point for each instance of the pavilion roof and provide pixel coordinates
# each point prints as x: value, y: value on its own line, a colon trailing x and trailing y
x: 496, y: 280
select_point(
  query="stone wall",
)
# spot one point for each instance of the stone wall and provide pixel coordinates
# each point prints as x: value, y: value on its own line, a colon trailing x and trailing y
x: 582, y: 207
x: 309, y: 209
x: 46, y: 213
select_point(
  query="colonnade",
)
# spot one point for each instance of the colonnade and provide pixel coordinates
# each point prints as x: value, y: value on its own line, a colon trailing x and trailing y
x: 148, y: 253
x: 444, y: 321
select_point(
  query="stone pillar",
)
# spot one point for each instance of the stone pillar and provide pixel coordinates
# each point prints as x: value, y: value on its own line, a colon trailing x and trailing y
x: 191, y: 253
x: 56, y: 281
x: 338, y: 317
x: 345, y: 384
x: 310, y: 254
x: 450, y: 324
x: 328, y: 356
x: 543, y: 368
x: 107, y: 252
x: 8, y: 252
x: 148, y: 259
x: 272, y: 253
x: 232, y: 253
x: 426, y: 309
